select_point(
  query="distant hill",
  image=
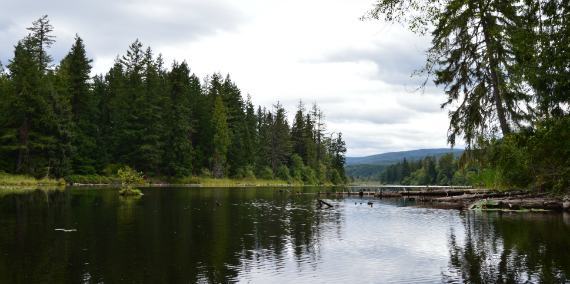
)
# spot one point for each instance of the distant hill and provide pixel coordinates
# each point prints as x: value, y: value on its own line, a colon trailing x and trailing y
x: 363, y: 169
x: 395, y: 157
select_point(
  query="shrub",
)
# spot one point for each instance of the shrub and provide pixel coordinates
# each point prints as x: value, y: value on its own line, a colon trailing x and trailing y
x: 191, y: 180
x: 266, y: 173
x: 129, y: 178
x: 205, y: 172
x: 283, y: 174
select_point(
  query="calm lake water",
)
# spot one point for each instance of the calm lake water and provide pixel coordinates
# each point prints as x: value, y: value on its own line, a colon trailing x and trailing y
x: 179, y: 235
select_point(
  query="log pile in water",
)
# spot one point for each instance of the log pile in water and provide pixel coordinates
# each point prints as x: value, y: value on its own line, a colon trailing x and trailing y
x: 512, y: 200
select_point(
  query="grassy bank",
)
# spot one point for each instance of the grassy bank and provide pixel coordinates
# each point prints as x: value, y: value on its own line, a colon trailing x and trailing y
x: 17, y: 180
x: 21, y: 180
x: 16, y: 189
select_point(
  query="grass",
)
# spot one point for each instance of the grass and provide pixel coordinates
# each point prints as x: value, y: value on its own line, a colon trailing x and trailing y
x: 10, y: 189
x: 491, y: 179
x: 237, y: 182
x: 8, y: 179
x: 21, y: 180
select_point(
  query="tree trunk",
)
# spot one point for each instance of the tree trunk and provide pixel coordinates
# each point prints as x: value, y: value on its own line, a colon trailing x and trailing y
x: 494, y: 79
x: 169, y: 174
x: 23, y: 142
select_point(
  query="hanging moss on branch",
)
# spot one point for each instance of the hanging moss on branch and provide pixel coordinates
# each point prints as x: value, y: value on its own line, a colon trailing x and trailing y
x: 129, y: 178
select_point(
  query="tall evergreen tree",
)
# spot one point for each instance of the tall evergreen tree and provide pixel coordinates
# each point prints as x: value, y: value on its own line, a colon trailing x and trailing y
x: 280, y: 141
x: 76, y: 67
x: 178, y: 118
x: 221, y: 139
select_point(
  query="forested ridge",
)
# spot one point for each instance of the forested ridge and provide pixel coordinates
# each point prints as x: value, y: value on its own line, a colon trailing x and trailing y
x: 443, y: 169
x: 395, y: 157
x: 58, y: 121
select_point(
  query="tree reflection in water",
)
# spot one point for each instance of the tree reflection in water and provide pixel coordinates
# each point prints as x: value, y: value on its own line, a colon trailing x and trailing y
x: 170, y: 235
x: 510, y: 248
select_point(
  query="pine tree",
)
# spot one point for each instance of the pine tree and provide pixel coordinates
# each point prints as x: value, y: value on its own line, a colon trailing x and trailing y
x: 76, y: 67
x: 280, y: 141
x: 43, y: 39
x: 149, y: 104
x: 29, y: 107
x: 221, y: 139
x: 298, y: 131
x: 178, y: 118
x: 128, y: 121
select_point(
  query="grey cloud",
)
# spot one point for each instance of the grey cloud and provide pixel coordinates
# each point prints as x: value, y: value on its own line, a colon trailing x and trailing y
x: 108, y: 27
x: 395, y: 60
x: 343, y: 114
x: 421, y: 103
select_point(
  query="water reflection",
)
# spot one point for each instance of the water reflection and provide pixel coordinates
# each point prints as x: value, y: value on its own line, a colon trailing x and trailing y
x: 169, y: 235
x: 258, y: 235
x: 511, y: 247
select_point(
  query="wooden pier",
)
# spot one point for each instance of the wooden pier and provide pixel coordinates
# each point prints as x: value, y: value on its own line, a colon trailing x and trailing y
x: 422, y: 192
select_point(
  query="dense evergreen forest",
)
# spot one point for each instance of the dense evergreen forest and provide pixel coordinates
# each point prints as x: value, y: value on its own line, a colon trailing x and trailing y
x: 58, y: 121
x: 443, y: 169
x: 430, y: 171
x: 364, y: 172
x: 503, y: 66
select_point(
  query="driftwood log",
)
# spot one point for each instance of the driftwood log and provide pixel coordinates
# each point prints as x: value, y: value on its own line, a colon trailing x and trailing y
x: 508, y: 200
x: 321, y: 202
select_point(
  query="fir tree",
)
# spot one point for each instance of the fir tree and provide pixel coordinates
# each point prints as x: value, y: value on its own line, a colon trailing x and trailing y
x: 221, y: 139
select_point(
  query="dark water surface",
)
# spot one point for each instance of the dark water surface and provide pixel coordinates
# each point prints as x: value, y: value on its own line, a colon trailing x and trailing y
x: 179, y: 235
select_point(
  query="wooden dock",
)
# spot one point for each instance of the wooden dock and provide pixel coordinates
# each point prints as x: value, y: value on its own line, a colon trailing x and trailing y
x: 393, y: 193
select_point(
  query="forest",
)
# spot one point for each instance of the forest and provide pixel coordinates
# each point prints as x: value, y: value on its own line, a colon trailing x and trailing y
x: 58, y: 121
x: 430, y: 171
x: 503, y: 67
x: 442, y: 169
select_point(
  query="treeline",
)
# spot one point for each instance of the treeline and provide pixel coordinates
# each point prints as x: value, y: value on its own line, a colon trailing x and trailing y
x: 429, y: 171
x: 364, y: 172
x: 56, y: 120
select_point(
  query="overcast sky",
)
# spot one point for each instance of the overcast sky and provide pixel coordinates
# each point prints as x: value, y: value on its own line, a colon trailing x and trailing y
x: 314, y: 50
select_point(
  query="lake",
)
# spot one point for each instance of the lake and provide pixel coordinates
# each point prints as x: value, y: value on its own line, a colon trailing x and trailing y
x: 258, y: 235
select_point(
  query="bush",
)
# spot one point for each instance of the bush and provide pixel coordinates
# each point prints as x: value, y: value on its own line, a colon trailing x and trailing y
x: 129, y: 177
x: 296, y: 168
x: 249, y: 175
x: 205, y: 172
x: 283, y: 174
x: 266, y: 173
x: 191, y: 180
x: 335, y: 177
x: 511, y: 163
x: 308, y: 175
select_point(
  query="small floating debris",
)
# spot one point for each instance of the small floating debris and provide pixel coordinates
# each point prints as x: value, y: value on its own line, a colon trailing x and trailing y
x: 64, y: 230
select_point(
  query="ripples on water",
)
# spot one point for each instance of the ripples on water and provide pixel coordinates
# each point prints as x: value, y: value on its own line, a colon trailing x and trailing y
x: 178, y: 235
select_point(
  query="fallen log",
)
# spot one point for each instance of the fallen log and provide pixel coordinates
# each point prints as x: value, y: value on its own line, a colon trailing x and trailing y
x: 321, y: 202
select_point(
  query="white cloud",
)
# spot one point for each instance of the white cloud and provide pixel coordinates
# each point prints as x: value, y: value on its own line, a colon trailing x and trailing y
x: 358, y: 72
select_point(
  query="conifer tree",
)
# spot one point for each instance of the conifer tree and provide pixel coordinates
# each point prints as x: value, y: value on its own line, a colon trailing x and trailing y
x: 221, y: 139
x: 149, y: 104
x: 178, y: 118
x: 129, y: 99
x: 76, y: 67
x: 280, y: 141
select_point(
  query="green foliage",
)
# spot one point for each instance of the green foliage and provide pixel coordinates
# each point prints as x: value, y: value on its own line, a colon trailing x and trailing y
x: 129, y: 178
x: 92, y: 179
x: 191, y: 180
x: 205, y: 173
x: 335, y: 177
x: 283, y: 174
x: 266, y: 174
